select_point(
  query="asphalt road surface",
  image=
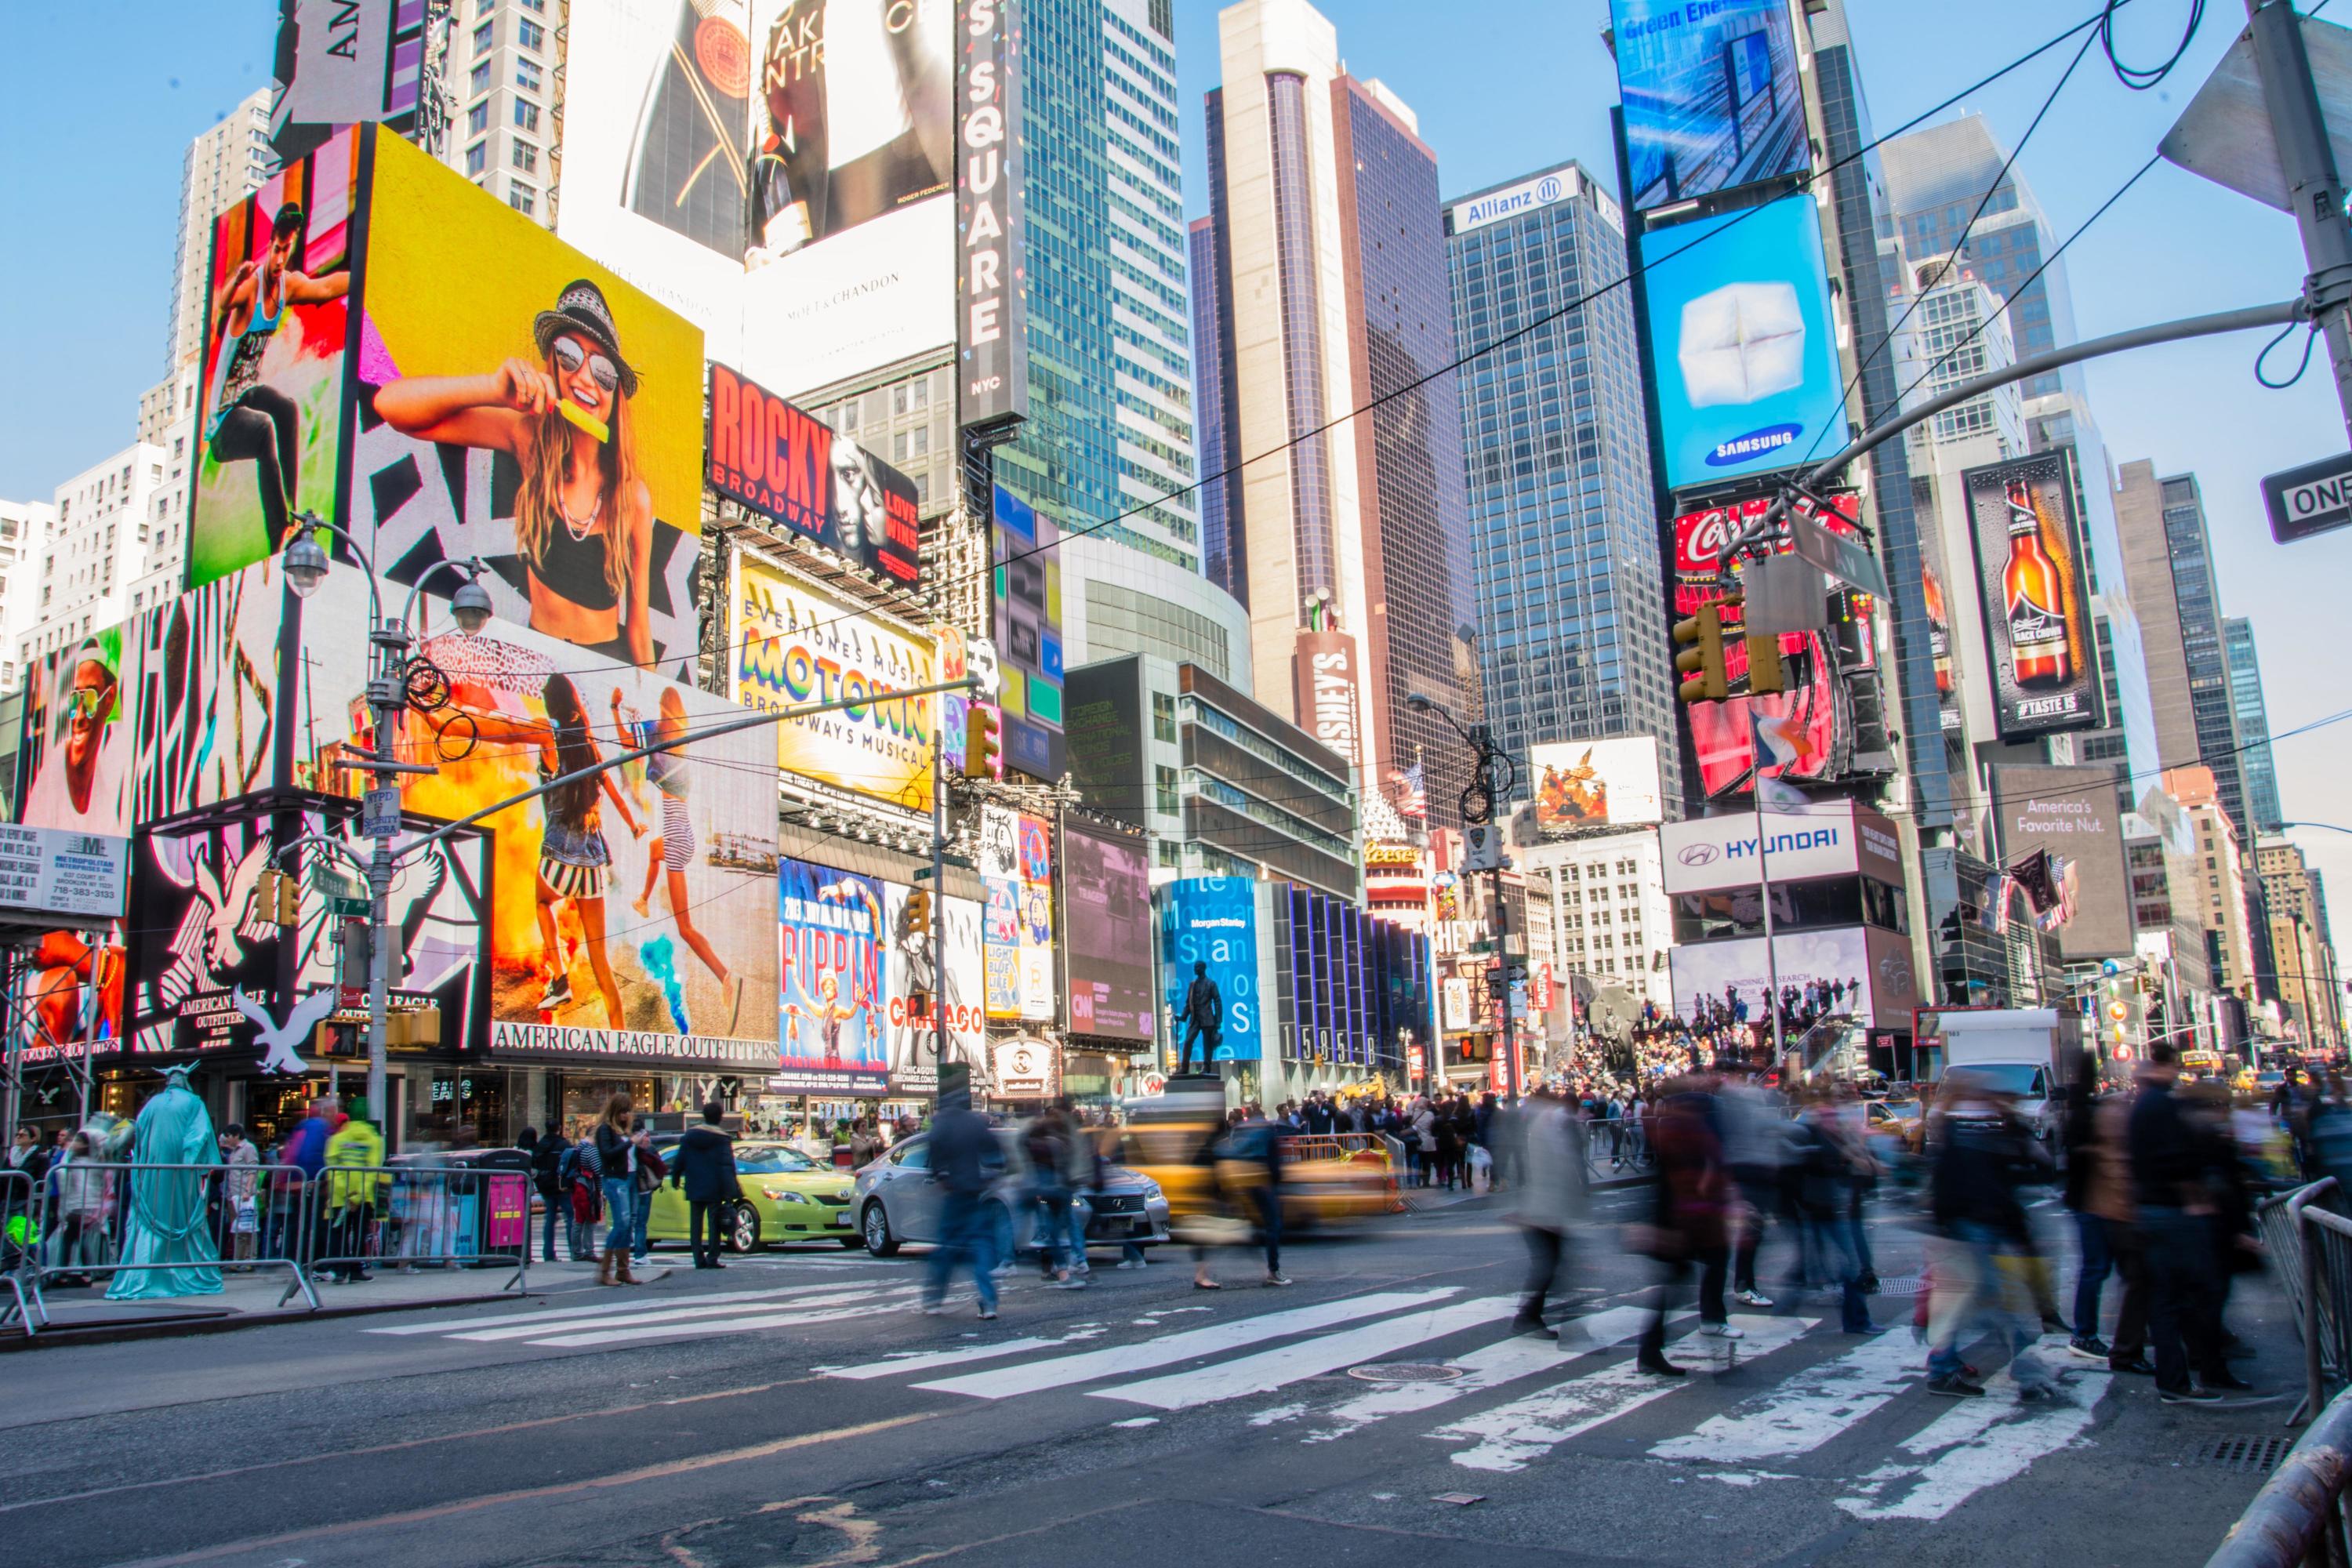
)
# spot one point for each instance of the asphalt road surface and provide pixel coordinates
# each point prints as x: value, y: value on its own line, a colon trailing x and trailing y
x: 796, y: 1409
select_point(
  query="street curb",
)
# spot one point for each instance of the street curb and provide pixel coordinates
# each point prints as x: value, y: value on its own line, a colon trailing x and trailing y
x: 172, y: 1328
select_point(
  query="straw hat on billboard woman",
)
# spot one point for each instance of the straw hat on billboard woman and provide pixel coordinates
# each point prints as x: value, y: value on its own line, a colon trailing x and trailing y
x: 574, y: 862
x: 583, y: 517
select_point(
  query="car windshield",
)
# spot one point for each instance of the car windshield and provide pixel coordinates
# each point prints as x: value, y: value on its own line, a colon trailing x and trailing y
x: 771, y: 1159
x: 1901, y: 1108
x: 2021, y: 1079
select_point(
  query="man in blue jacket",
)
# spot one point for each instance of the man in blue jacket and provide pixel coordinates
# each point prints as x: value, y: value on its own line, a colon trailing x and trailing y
x: 704, y: 1167
x: 965, y: 1160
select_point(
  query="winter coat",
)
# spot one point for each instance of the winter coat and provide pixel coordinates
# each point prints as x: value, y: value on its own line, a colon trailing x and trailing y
x: 1554, y: 1186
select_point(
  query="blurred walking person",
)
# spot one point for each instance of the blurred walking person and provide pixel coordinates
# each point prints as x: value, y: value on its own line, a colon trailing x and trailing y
x: 965, y: 1160
x: 1755, y: 1144
x: 1554, y: 1196
x: 546, y: 1176
x: 1980, y: 1253
x: 2172, y: 1187
x: 1692, y: 1189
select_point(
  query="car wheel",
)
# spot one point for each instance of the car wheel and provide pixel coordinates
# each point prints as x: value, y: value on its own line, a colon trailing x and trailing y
x: 875, y: 1225
x: 742, y: 1229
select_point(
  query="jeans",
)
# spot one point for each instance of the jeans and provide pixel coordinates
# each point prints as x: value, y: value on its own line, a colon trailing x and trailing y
x: 1074, y: 1219
x: 965, y: 1224
x: 1711, y: 1261
x: 704, y: 1214
x: 1831, y: 1241
x: 1547, y: 1251
x: 620, y: 1211
x: 643, y: 1247
x: 1759, y: 1190
x: 1269, y: 1220
x: 1053, y: 1228
x: 1988, y: 1274
x: 551, y: 1215
x: 2130, y: 1253
x: 2180, y: 1319
x: 2098, y: 1262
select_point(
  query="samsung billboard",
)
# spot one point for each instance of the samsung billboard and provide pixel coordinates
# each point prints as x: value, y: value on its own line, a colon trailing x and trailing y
x: 1744, y: 343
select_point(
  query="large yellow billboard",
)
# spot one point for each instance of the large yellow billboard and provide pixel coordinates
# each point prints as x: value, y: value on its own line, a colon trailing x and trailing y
x: 793, y: 644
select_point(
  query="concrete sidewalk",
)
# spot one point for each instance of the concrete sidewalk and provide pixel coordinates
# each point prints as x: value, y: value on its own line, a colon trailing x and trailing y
x: 83, y: 1315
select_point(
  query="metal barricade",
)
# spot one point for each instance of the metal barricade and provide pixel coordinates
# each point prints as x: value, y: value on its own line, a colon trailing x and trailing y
x: 2298, y: 1516
x: 421, y: 1216
x: 1615, y: 1150
x: 80, y: 1225
x: 19, y: 1242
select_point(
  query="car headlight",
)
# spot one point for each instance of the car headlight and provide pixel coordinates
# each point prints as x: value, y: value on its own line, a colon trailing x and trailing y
x: 1151, y: 1192
x: 786, y: 1196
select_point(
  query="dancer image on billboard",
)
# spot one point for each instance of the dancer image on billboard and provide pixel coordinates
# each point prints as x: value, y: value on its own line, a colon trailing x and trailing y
x: 81, y: 775
x: 583, y: 517
x: 574, y: 862
x: 252, y: 420
x: 674, y: 845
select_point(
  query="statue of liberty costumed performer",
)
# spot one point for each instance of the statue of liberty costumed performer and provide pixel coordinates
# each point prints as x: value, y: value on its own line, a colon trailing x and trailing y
x: 166, y: 1224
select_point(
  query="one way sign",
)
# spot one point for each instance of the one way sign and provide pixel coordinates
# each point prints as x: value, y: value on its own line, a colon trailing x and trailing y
x: 2310, y: 500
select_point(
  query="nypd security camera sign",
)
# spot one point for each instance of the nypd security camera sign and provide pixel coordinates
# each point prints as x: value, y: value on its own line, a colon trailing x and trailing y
x: 2313, y: 499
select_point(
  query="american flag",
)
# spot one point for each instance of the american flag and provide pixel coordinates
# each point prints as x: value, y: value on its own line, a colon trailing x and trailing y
x: 1413, y: 793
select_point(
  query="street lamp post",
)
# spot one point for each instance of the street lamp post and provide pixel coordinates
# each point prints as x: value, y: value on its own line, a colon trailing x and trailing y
x: 389, y: 642
x: 1494, y: 779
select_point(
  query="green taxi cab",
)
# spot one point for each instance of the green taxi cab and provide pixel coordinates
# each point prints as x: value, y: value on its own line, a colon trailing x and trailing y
x: 787, y: 1197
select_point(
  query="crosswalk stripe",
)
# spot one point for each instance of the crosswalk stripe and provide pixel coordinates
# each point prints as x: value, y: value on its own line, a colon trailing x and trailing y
x: 1983, y: 1443
x: 931, y: 1360
x: 1508, y: 1435
x: 1271, y: 1369
x: 1807, y: 1409
x: 1167, y: 1350
x: 1504, y: 1362
x: 789, y: 1319
x: 609, y: 1307
x: 826, y: 1296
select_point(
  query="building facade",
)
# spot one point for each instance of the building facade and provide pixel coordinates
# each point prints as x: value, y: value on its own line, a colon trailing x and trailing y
x: 2251, y: 715
x: 506, y: 66
x: 101, y: 531
x: 1607, y: 917
x: 1555, y: 450
x: 222, y: 167
x: 1352, y: 514
x: 2295, y: 905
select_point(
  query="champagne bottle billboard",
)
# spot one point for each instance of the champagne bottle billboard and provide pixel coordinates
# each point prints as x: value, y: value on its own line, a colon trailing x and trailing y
x: 2028, y: 559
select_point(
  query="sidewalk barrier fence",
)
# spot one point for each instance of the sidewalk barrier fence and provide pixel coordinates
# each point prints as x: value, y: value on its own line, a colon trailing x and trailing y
x: 2309, y: 1241
x: 19, y: 1243
x: 411, y: 1217
x: 2298, y: 1516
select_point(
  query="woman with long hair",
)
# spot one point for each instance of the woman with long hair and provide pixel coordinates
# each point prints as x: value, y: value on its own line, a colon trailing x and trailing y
x: 618, y: 1156
x: 575, y: 864
x: 583, y: 517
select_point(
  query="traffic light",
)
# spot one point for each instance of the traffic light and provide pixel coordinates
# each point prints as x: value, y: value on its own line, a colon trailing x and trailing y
x: 919, y: 913
x: 983, y: 745
x: 1702, y: 662
x: 1764, y: 664
x: 277, y: 898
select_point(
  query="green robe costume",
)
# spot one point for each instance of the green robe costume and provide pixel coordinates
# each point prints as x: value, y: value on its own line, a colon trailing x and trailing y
x: 167, y: 1224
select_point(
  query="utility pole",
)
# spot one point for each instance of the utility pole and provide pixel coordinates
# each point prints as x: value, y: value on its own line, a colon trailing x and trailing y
x: 2314, y: 191
x: 1493, y: 780
x: 938, y: 888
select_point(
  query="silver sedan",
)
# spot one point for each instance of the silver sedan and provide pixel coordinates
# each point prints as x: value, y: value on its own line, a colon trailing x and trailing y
x: 895, y: 1202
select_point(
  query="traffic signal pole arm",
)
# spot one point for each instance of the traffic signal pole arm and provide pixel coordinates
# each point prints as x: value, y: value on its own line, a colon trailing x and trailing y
x: 2284, y: 313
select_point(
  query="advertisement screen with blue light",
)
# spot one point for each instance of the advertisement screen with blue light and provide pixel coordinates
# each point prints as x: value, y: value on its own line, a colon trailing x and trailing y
x: 1746, y: 354
x: 1211, y: 921
x: 1710, y: 93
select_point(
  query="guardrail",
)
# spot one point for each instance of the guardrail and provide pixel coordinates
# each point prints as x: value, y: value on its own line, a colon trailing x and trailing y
x: 421, y: 1216
x: 1615, y: 1149
x: 2298, y: 1516
x: 2309, y: 1241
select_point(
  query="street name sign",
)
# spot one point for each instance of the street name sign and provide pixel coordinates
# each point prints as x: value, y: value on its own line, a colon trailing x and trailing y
x: 2310, y: 500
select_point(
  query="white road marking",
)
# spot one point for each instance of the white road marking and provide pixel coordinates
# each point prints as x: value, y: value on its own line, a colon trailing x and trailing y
x: 1277, y: 1414
x: 1167, y: 1350
x: 1269, y: 1370
x: 1985, y: 1443
x: 1503, y: 1362
x: 610, y: 1307
x: 1807, y: 1409
x: 1509, y: 1435
x: 931, y: 1360
x: 791, y: 1320
x: 650, y: 1312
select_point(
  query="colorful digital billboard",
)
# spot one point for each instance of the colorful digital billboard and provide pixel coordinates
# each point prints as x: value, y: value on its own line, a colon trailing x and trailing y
x: 630, y: 911
x: 835, y: 937
x: 277, y: 320
x: 793, y: 469
x: 1107, y: 893
x: 794, y: 645
x: 1016, y: 875
x: 1711, y: 95
x: 907, y: 982
x: 1580, y: 785
x: 2037, y: 614
x: 341, y: 62
x: 1746, y: 348
x: 1028, y: 620
x: 1209, y: 930
x: 778, y: 170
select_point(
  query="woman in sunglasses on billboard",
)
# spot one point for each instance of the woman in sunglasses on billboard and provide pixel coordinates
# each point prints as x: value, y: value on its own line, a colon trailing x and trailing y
x: 583, y: 517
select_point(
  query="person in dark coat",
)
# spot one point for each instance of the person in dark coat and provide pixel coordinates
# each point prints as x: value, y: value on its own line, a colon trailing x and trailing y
x: 704, y: 1168
x: 546, y: 1176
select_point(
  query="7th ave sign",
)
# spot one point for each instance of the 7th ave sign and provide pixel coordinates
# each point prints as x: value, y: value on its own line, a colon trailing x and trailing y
x: 2310, y: 500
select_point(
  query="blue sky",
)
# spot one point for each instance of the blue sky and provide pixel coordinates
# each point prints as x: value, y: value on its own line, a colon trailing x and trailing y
x: 97, y: 100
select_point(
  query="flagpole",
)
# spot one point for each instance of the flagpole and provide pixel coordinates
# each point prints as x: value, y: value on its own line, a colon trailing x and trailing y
x: 1771, y: 957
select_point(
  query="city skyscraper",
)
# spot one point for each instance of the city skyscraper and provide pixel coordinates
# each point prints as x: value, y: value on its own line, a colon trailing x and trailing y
x: 506, y: 61
x: 223, y: 166
x: 1569, y: 585
x: 2253, y: 724
x: 1325, y: 207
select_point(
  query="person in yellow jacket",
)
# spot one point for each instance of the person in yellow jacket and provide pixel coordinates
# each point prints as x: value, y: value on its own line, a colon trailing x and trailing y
x: 356, y: 1184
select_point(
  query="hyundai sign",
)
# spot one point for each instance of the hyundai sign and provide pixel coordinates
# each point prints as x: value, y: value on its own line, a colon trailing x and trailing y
x: 1746, y: 352
x: 1711, y: 853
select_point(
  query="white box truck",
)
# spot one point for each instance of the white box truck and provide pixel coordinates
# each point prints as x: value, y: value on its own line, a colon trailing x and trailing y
x: 2028, y: 1051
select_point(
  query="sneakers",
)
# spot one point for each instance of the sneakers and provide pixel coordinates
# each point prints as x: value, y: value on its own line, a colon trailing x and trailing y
x: 1534, y: 1326
x: 558, y: 992
x: 1277, y: 1279
x: 987, y: 1313
x: 2227, y: 1380
x: 2189, y: 1395
x: 1130, y: 1263
x: 2090, y: 1347
x: 1722, y: 1331
x: 1954, y: 1386
x: 1753, y: 1298
x: 2138, y: 1365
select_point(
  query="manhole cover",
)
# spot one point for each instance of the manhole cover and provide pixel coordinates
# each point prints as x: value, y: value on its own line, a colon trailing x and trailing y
x: 1405, y: 1372
x: 1902, y: 1285
x: 2241, y: 1452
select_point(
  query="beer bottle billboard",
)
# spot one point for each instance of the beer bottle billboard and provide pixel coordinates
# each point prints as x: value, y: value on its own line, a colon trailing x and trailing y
x: 2029, y: 543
